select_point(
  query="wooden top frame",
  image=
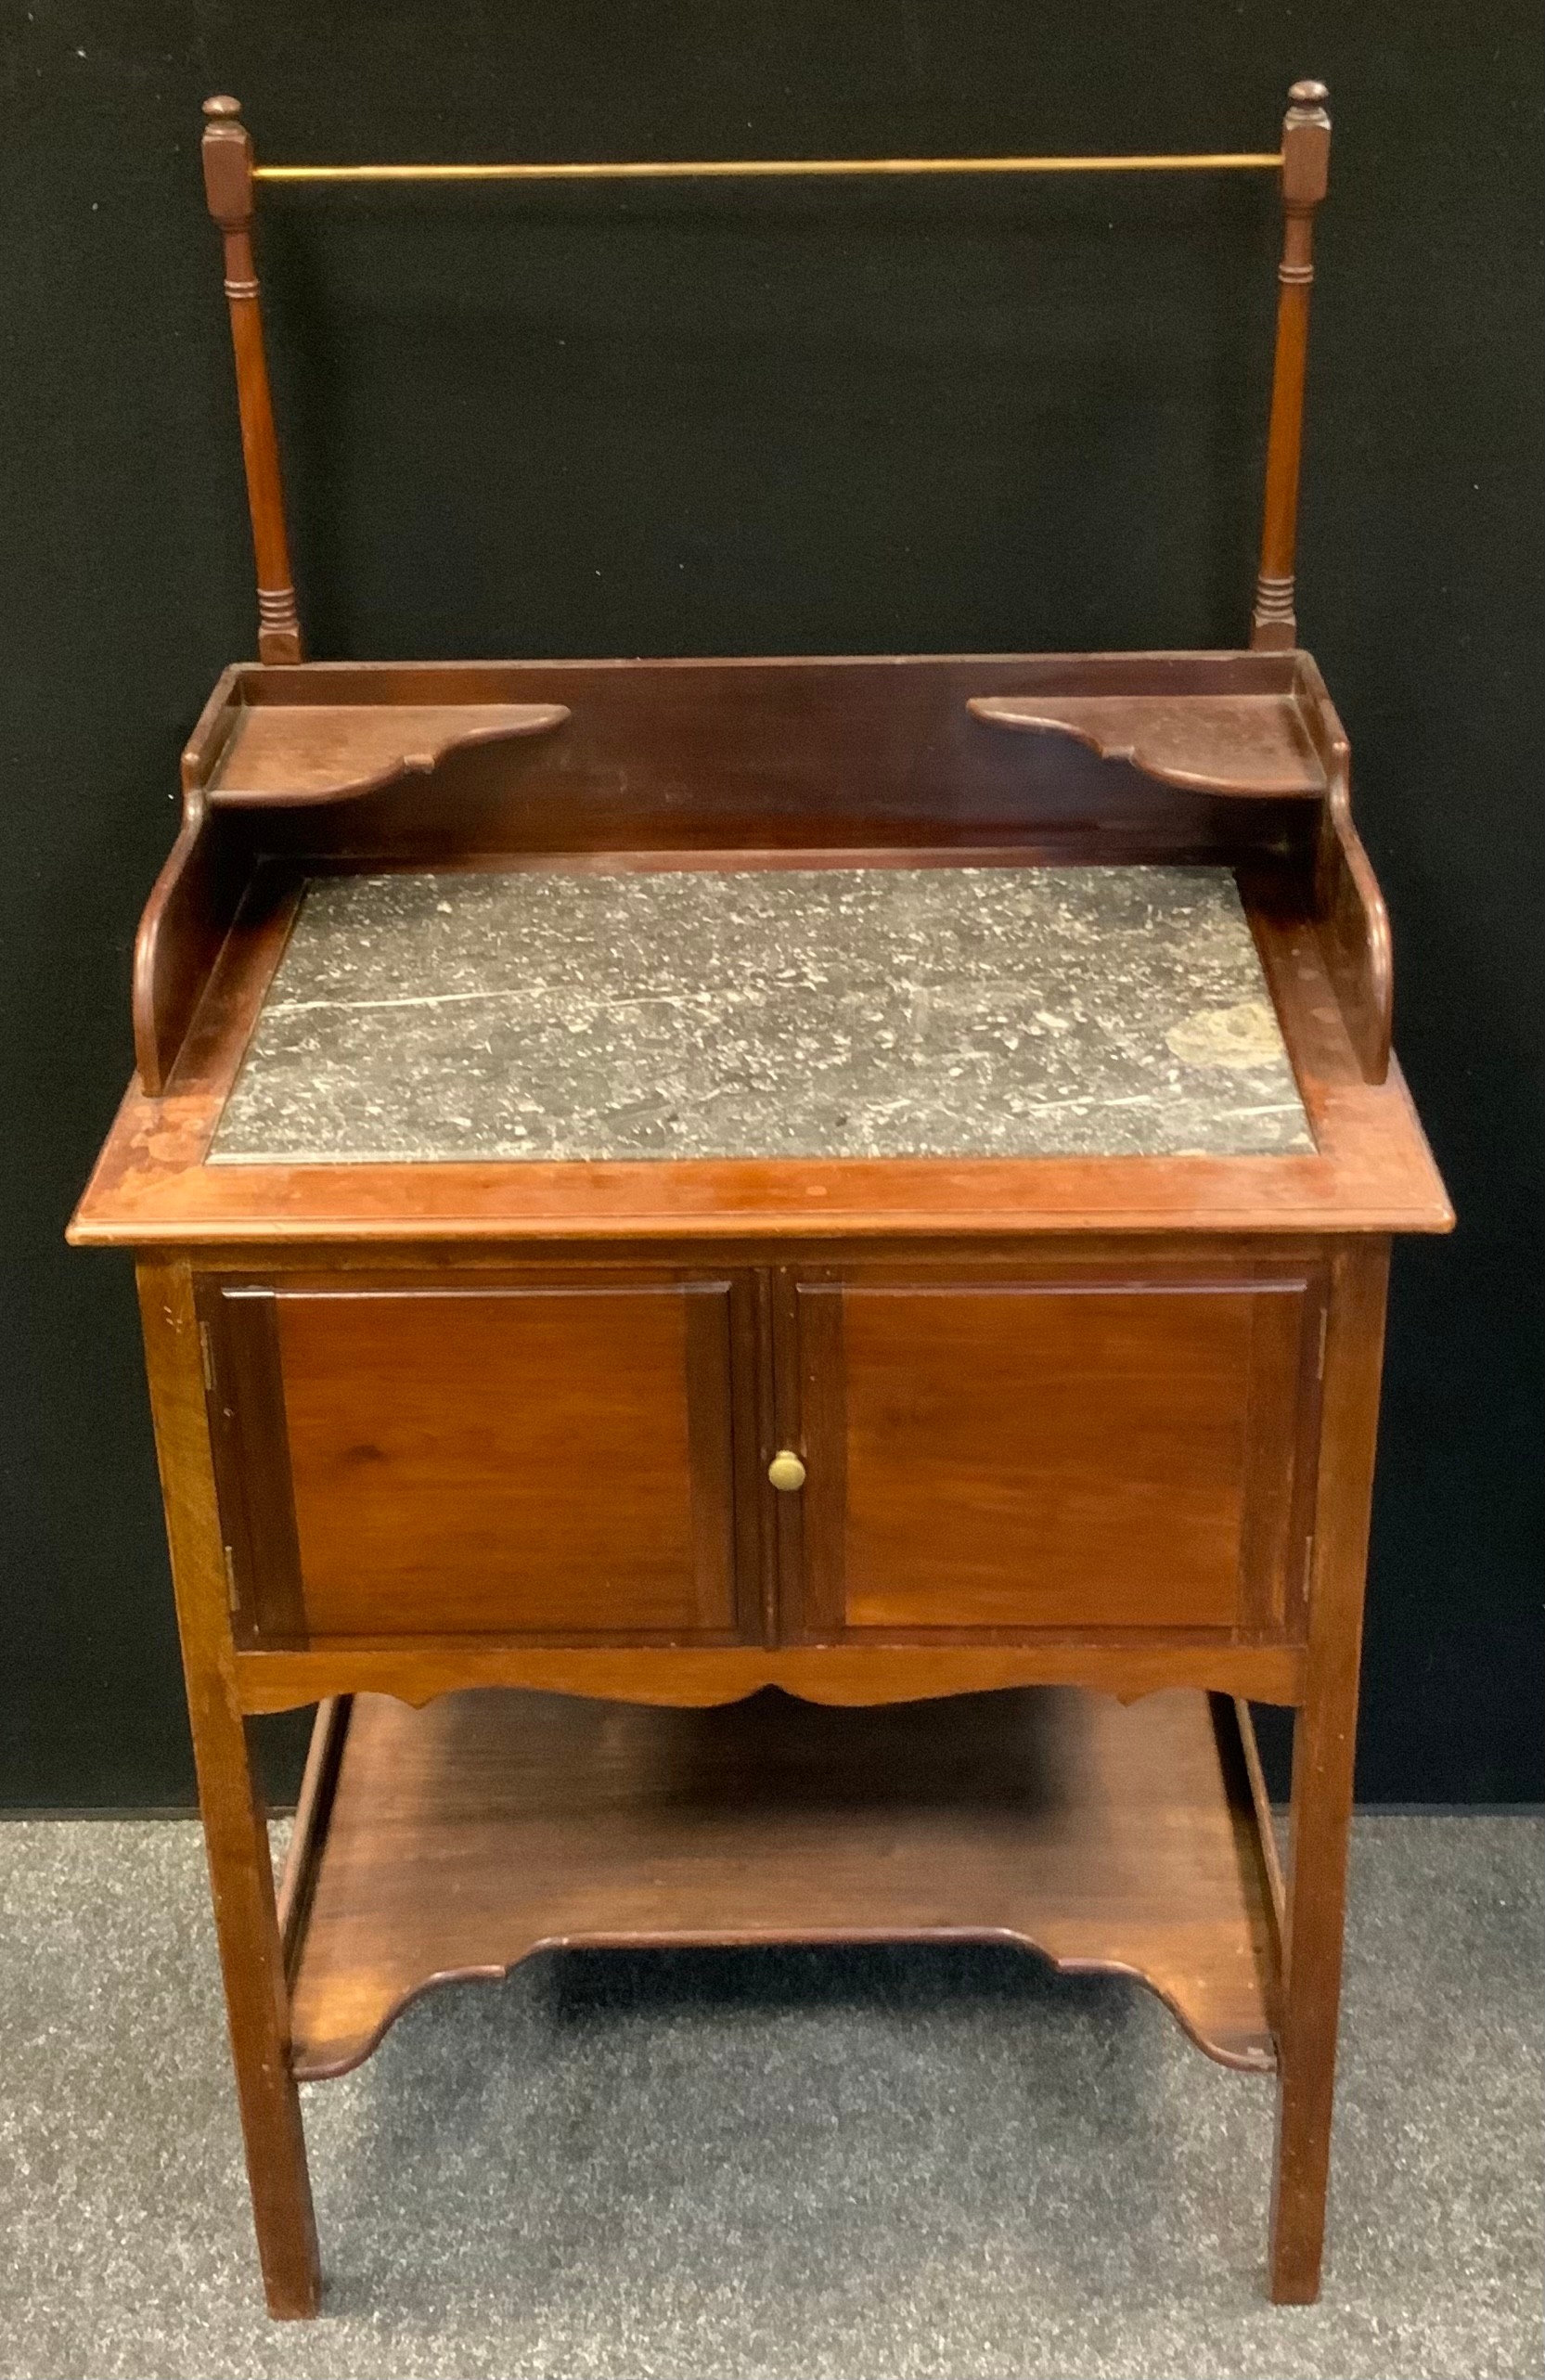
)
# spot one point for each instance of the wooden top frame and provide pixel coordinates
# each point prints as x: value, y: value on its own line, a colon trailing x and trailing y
x: 1233, y: 758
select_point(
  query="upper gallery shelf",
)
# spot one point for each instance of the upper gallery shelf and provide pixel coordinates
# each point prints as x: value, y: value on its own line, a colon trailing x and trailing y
x: 1239, y: 725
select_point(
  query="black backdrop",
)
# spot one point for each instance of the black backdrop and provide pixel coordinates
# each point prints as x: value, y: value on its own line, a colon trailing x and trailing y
x: 938, y: 416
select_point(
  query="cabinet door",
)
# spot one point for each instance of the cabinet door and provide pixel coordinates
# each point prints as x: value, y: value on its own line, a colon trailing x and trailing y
x: 549, y: 1460
x: 991, y: 1458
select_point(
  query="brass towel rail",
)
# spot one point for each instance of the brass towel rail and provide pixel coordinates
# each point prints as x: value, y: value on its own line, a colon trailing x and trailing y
x: 746, y: 168
x: 232, y: 173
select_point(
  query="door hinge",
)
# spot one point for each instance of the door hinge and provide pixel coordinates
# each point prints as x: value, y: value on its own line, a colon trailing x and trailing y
x: 232, y: 1596
x: 1324, y: 1328
x: 206, y: 1350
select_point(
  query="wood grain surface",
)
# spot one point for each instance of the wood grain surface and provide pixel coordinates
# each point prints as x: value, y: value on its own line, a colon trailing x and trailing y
x: 995, y: 1456
x: 470, y: 1460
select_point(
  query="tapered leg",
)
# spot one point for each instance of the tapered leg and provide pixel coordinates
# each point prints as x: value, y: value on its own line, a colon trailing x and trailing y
x: 257, y: 2008
x: 1324, y: 1750
x: 235, y: 1834
x: 1307, y: 2045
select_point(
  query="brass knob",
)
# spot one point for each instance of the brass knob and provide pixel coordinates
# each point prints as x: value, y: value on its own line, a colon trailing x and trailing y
x: 786, y: 1471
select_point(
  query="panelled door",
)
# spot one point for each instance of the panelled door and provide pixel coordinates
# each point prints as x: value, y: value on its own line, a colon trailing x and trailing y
x: 970, y: 1455
x: 550, y: 1459
x: 987, y: 1457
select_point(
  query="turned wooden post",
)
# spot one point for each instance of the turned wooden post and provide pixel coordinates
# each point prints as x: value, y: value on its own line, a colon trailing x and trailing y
x: 1306, y: 169
x: 227, y: 154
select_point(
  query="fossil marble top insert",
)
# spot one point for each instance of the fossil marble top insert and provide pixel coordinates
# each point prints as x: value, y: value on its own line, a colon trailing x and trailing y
x: 840, y: 1012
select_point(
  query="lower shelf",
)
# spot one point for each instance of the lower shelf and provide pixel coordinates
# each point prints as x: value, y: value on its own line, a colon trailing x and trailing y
x: 452, y: 1842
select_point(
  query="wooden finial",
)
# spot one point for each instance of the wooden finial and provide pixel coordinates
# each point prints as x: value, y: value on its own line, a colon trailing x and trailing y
x: 1305, y: 145
x: 227, y: 150
x: 1306, y: 172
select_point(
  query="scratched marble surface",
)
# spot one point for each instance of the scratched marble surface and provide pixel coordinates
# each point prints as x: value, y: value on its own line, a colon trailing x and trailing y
x: 844, y: 1012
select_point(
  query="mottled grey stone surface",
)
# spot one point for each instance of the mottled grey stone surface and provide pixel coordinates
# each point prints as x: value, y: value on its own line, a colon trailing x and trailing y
x: 861, y: 2164
x: 844, y: 1012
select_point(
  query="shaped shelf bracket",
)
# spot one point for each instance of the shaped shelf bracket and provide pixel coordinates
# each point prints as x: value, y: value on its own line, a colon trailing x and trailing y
x: 294, y: 755
x: 1255, y: 746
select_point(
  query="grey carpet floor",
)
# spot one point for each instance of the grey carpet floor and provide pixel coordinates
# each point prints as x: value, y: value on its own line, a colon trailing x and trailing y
x: 796, y: 2165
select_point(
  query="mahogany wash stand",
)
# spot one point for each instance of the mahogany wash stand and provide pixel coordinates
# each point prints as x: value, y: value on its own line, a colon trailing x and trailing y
x: 653, y: 1182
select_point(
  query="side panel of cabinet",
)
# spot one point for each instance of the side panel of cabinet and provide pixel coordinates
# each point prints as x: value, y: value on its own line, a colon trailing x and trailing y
x: 996, y: 1458
x: 550, y: 1461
